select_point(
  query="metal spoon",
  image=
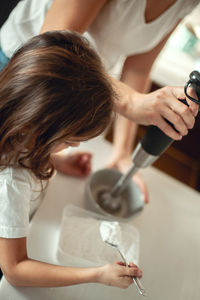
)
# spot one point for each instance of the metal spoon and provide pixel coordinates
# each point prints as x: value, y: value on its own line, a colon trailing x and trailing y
x: 136, y: 280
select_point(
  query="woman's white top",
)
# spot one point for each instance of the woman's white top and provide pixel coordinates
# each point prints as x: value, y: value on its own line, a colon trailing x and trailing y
x: 118, y: 31
x: 20, y: 196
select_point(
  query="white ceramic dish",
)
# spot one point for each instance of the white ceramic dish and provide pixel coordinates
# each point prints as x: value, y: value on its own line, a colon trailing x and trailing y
x: 80, y: 242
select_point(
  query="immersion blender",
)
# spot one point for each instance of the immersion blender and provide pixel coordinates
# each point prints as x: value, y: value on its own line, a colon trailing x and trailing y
x: 148, y: 150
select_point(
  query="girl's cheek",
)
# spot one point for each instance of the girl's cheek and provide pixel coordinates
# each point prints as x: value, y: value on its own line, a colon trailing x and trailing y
x: 59, y: 148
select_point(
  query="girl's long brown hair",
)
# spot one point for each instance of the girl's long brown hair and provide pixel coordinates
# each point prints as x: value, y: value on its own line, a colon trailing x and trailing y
x: 54, y: 87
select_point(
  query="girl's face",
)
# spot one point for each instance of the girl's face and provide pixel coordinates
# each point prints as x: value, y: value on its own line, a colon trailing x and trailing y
x: 59, y: 146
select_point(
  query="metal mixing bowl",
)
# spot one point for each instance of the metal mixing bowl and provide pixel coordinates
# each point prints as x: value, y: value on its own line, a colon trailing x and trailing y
x: 132, y: 197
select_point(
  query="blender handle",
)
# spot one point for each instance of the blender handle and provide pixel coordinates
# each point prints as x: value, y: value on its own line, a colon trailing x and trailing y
x: 155, y: 141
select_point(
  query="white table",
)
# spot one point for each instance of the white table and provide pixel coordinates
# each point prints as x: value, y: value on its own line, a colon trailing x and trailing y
x: 169, y: 231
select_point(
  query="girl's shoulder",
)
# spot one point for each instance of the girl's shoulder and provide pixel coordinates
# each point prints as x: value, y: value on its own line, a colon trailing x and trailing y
x: 16, y: 202
x: 17, y: 176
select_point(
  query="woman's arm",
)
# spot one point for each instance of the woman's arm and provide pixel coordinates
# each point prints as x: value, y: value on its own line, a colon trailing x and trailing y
x: 20, y: 270
x: 135, y: 74
x: 76, y: 15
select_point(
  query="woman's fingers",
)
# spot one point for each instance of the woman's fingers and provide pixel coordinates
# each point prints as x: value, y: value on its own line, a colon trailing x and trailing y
x: 167, y: 129
x: 169, y: 108
x: 178, y: 122
x: 193, y: 106
x: 187, y: 113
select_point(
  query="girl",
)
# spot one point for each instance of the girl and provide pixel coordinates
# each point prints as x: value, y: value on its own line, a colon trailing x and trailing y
x: 53, y: 94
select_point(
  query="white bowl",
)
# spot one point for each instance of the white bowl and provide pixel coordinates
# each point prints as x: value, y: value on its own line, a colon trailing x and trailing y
x: 80, y: 243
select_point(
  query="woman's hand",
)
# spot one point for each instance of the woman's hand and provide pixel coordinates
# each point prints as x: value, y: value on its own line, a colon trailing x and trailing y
x: 118, y: 275
x: 155, y: 107
x: 77, y: 164
x: 122, y: 162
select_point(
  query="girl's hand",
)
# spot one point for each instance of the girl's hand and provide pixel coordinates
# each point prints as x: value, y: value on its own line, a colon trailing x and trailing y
x: 118, y: 275
x: 77, y: 164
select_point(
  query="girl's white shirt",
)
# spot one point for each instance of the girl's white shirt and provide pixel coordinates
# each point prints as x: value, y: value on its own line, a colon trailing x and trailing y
x: 118, y: 31
x: 20, y: 196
